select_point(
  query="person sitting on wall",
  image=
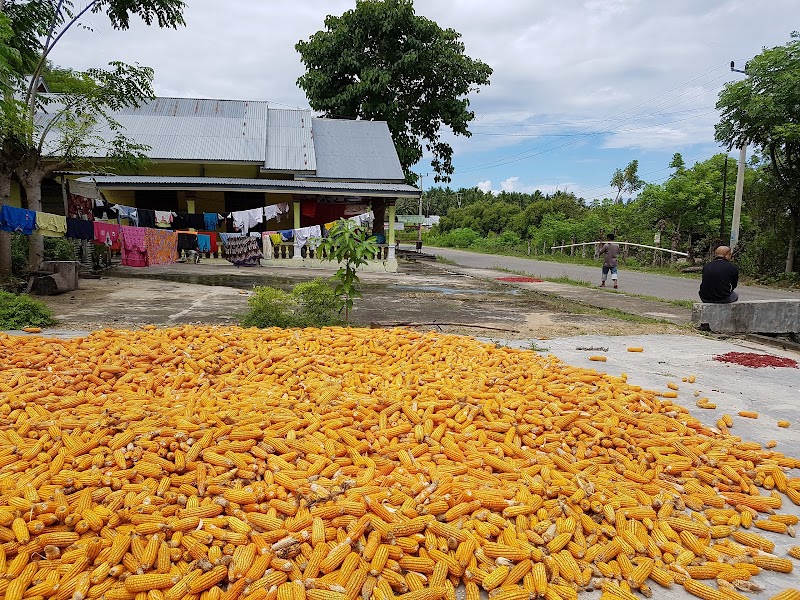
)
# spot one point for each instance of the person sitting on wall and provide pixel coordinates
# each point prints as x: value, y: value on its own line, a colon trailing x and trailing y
x: 720, y: 278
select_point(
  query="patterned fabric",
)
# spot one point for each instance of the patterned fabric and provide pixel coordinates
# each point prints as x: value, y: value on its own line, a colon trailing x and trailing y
x: 79, y: 207
x: 134, y: 246
x: 243, y: 251
x: 228, y: 236
x: 162, y: 247
x: 107, y: 234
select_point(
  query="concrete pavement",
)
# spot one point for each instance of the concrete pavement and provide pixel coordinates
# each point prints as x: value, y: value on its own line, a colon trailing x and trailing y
x: 645, y: 284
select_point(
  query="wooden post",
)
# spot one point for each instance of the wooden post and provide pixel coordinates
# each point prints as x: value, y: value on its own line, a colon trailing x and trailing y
x: 572, y: 248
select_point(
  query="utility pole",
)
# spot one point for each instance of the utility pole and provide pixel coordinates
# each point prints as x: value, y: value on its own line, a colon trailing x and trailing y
x: 724, y: 192
x: 419, y: 227
x: 737, y: 201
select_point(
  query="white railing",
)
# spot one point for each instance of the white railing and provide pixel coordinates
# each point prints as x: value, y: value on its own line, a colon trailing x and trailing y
x: 623, y: 244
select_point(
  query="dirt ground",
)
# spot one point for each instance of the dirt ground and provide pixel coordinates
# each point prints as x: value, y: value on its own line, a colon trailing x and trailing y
x: 421, y: 294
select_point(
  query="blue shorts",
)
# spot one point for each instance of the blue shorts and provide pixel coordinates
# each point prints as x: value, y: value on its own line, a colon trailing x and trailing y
x: 606, y: 269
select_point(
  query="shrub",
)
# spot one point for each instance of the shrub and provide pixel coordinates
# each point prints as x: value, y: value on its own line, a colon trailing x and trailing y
x: 318, y: 302
x: 310, y: 304
x: 58, y: 249
x: 18, y: 311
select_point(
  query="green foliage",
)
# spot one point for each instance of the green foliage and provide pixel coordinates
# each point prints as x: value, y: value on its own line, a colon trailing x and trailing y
x: 58, y: 249
x: 350, y: 246
x: 762, y: 110
x: 18, y: 311
x: 54, y: 249
x: 627, y: 180
x: 381, y: 61
x: 310, y: 304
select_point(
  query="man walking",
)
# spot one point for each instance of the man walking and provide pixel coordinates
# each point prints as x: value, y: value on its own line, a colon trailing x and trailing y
x: 720, y: 278
x: 611, y: 251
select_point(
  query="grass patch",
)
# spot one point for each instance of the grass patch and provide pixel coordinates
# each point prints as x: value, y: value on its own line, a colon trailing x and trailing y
x: 310, y: 304
x: 20, y: 310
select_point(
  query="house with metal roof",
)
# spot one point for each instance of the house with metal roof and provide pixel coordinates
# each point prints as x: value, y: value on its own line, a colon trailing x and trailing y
x: 223, y: 156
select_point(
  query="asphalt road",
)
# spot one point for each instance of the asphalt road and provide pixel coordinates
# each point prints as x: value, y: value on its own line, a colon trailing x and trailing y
x: 659, y: 286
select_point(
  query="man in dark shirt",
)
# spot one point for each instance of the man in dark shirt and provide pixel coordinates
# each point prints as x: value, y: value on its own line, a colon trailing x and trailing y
x: 720, y: 278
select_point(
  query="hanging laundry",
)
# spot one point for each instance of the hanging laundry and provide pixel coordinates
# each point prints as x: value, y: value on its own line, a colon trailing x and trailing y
x: 287, y: 235
x: 17, y: 220
x: 228, y: 236
x: 147, y: 217
x: 180, y: 220
x: 79, y: 207
x: 245, y: 220
x: 308, y: 208
x: 133, y: 246
x: 128, y: 212
x: 210, y: 221
x: 276, y: 238
x: 304, y: 234
x: 212, y: 236
x: 195, y: 221
x: 203, y: 243
x: 271, y: 212
x: 107, y: 234
x: 187, y: 241
x: 50, y: 225
x: 283, y: 208
x: 79, y: 229
x: 103, y: 210
x: 164, y: 218
x: 243, y: 251
x: 162, y: 247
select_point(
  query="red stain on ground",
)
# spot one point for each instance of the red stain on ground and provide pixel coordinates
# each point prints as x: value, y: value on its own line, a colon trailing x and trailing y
x: 756, y: 361
x: 520, y: 279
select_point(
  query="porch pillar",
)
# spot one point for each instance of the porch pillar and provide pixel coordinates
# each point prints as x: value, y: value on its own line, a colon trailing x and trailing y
x: 190, y: 206
x: 390, y: 233
x: 297, y: 249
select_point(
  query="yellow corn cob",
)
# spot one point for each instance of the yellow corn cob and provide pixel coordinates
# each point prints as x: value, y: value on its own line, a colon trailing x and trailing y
x: 150, y: 581
x: 753, y: 540
x: 495, y: 578
x: 773, y: 563
x: 790, y: 594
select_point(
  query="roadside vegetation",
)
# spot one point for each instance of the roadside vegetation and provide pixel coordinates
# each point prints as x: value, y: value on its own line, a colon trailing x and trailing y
x: 20, y: 310
x: 310, y: 304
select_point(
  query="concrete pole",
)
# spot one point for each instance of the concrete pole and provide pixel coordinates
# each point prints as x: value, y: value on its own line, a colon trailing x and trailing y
x: 391, y: 233
x: 737, y: 202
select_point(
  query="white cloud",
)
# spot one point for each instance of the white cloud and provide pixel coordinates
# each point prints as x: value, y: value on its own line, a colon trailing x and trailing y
x: 485, y: 186
x: 514, y: 184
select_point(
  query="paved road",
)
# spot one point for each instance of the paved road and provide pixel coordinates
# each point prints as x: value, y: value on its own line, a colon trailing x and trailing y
x: 659, y: 286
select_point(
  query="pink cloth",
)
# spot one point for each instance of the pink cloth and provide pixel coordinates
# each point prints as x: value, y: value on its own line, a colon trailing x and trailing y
x: 134, y: 246
x: 107, y: 234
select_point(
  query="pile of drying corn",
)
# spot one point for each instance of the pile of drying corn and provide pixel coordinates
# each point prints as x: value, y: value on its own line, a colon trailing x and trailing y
x: 337, y: 464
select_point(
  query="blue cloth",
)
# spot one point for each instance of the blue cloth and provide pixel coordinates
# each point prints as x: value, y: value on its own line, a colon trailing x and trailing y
x: 78, y: 229
x: 287, y: 235
x: 210, y: 220
x: 203, y: 243
x: 17, y: 220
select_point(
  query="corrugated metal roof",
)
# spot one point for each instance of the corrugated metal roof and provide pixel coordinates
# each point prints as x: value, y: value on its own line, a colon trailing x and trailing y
x: 290, y: 143
x: 355, y: 150
x: 190, y: 129
x: 340, y: 188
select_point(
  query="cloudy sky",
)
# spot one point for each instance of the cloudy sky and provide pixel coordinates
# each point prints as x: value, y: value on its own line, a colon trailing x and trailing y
x: 580, y: 87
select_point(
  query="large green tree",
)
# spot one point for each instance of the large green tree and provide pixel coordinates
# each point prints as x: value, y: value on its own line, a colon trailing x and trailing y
x: 382, y: 61
x: 626, y: 180
x: 78, y: 123
x: 763, y: 110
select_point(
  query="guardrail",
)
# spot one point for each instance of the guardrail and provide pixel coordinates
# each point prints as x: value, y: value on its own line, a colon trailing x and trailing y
x: 623, y: 244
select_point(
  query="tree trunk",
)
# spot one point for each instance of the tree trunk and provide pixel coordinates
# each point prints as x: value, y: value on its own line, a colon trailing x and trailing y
x: 5, y: 236
x: 792, y: 241
x: 32, y: 183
